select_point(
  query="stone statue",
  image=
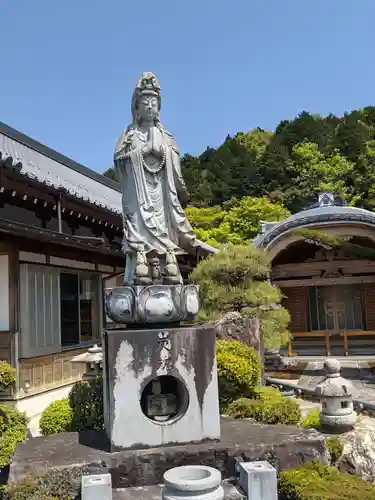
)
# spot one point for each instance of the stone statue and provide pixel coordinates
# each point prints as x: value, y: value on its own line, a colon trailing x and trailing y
x: 147, y: 161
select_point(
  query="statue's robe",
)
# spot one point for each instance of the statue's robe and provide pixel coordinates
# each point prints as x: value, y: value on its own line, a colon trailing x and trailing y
x: 152, y: 212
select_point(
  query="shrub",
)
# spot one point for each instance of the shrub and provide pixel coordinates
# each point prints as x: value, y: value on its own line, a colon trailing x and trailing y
x: 335, y: 448
x: 242, y: 408
x: 7, y: 375
x: 313, y: 481
x: 238, y: 367
x: 266, y: 393
x: 280, y: 410
x: 86, y: 401
x: 57, y: 417
x: 312, y: 419
x: 13, y: 430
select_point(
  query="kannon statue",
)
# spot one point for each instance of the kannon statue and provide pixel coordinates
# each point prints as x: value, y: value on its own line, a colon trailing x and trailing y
x: 147, y: 162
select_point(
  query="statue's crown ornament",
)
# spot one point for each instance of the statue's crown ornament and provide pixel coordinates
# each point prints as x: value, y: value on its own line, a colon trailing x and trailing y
x: 148, y: 84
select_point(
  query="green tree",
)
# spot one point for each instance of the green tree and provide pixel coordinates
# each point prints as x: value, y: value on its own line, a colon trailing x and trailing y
x: 315, y: 172
x: 236, y: 222
x: 245, y: 217
x: 236, y: 279
x: 111, y: 174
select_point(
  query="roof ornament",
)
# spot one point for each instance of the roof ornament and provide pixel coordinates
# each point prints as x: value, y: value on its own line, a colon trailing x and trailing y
x: 326, y: 199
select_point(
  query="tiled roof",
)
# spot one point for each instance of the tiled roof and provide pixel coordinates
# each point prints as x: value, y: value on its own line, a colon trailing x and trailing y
x: 49, y: 167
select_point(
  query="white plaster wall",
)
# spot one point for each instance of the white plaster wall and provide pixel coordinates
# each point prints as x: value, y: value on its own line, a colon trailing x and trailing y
x: 131, y: 428
x: 34, y: 405
x: 4, y: 292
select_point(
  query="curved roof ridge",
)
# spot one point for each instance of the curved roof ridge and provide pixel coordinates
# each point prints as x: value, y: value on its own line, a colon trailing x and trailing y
x: 328, y: 213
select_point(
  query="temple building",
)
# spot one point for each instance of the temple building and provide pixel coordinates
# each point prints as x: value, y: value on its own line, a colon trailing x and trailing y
x: 323, y: 260
x: 60, y: 238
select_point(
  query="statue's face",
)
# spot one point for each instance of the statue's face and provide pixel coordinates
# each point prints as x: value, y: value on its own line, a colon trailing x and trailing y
x: 148, y: 108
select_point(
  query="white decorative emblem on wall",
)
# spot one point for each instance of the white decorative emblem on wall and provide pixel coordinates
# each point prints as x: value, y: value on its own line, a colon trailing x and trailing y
x: 165, y: 363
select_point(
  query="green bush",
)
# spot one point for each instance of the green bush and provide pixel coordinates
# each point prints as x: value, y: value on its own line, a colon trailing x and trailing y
x: 86, y: 401
x: 313, y: 481
x: 7, y: 375
x: 242, y: 408
x: 13, y: 431
x: 312, y: 419
x: 266, y: 393
x: 280, y: 410
x: 56, y: 418
x: 238, y: 367
x: 335, y: 448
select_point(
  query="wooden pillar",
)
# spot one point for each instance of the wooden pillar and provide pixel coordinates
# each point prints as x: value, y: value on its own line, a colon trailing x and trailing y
x: 59, y: 216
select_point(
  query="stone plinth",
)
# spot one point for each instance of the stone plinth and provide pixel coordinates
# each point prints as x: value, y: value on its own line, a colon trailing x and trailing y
x: 73, y: 454
x: 160, y: 387
x: 153, y: 304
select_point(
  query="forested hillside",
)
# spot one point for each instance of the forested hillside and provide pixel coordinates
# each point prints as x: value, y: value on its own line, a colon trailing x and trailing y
x: 263, y: 175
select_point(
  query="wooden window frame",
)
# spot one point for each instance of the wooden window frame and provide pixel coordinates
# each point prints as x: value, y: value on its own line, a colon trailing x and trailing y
x: 80, y: 273
x: 26, y: 349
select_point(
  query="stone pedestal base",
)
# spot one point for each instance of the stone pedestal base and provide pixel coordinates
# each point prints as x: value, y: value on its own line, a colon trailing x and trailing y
x: 153, y: 304
x: 160, y: 387
x: 338, y: 423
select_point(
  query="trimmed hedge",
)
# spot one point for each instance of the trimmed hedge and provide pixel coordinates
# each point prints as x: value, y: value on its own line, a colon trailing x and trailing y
x: 83, y: 409
x: 13, y: 431
x: 238, y: 367
x: 7, y: 375
x: 270, y: 410
x: 313, y: 481
x: 86, y: 401
x: 56, y: 418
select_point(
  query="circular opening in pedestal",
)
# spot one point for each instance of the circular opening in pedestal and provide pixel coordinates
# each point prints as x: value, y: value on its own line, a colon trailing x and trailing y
x: 164, y: 399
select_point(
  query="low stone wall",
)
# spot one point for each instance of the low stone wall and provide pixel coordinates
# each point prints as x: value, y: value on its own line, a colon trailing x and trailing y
x: 285, y: 447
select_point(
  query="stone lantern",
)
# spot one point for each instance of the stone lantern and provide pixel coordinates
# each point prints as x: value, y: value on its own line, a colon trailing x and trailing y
x: 336, y: 396
x: 93, y: 360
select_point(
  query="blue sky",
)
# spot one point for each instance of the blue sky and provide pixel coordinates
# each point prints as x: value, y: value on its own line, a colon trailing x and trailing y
x: 68, y: 67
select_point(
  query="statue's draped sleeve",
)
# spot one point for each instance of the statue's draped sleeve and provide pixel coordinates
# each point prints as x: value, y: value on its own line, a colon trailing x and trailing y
x: 122, y: 145
x: 177, y: 174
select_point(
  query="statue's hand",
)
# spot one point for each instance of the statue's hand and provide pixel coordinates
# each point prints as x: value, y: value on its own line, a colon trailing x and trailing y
x: 158, y: 152
x: 147, y: 148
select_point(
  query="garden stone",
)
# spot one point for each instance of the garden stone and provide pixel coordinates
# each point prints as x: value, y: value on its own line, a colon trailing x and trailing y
x: 358, y: 455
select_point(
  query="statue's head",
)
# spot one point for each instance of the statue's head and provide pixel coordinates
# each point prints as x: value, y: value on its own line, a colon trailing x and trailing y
x: 146, y: 99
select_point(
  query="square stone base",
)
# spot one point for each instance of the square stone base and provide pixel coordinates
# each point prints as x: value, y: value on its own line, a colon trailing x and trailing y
x: 182, y: 362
